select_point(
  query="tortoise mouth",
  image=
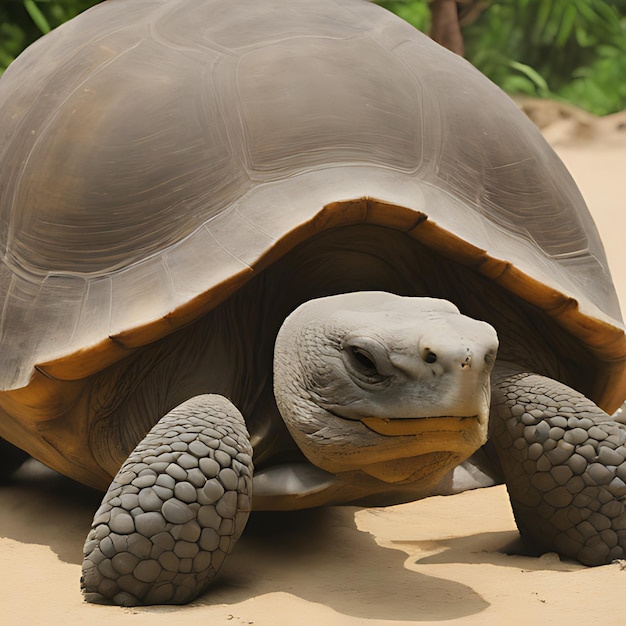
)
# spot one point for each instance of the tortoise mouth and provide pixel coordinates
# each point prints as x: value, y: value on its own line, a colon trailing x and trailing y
x: 394, y: 427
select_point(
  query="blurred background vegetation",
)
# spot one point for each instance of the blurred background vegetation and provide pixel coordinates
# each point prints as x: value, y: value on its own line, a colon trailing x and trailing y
x: 569, y: 50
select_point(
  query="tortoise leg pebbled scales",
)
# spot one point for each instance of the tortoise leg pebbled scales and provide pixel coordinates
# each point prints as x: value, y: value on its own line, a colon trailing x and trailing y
x: 175, y: 509
x: 564, y: 463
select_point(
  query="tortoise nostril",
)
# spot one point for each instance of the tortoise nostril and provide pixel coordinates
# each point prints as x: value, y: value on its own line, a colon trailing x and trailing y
x: 467, y: 363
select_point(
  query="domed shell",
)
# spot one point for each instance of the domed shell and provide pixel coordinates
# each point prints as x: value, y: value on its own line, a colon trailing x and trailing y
x: 155, y: 154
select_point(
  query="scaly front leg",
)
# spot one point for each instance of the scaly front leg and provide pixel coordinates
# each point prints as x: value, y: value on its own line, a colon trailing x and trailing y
x: 564, y: 463
x: 175, y: 509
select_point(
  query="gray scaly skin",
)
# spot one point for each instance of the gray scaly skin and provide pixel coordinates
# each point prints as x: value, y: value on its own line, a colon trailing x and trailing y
x: 174, y: 510
x: 564, y: 463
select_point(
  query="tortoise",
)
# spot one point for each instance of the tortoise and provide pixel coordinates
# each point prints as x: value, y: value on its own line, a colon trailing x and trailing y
x: 253, y: 257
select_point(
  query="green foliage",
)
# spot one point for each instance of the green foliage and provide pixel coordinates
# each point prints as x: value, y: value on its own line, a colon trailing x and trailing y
x: 601, y: 86
x: 574, y: 50
x: 415, y: 12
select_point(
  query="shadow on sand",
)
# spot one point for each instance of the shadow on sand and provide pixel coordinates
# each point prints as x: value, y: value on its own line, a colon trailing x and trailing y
x: 319, y: 555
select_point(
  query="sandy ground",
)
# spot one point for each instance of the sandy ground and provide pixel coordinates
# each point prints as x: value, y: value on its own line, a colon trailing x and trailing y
x: 444, y: 560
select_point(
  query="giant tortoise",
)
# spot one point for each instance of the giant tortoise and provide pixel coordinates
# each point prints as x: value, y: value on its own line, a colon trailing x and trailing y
x: 292, y: 211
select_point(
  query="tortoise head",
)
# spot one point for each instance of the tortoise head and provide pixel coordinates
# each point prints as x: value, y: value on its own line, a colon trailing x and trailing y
x: 368, y: 382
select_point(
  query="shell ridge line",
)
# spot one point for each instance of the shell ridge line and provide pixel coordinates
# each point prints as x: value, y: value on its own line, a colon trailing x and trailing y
x: 235, y: 153
x: 154, y: 28
x: 512, y: 164
x: 5, y: 305
x: 245, y: 49
x: 229, y: 252
x: 109, y: 314
x: 252, y: 225
x: 168, y: 272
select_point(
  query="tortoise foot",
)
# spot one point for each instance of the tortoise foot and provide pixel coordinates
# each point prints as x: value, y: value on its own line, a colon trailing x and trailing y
x: 564, y: 462
x: 175, y: 509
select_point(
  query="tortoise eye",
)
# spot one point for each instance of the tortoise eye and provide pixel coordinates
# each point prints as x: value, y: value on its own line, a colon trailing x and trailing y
x: 429, y: 356
x: 362, y: 365
x: 364, y: 360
